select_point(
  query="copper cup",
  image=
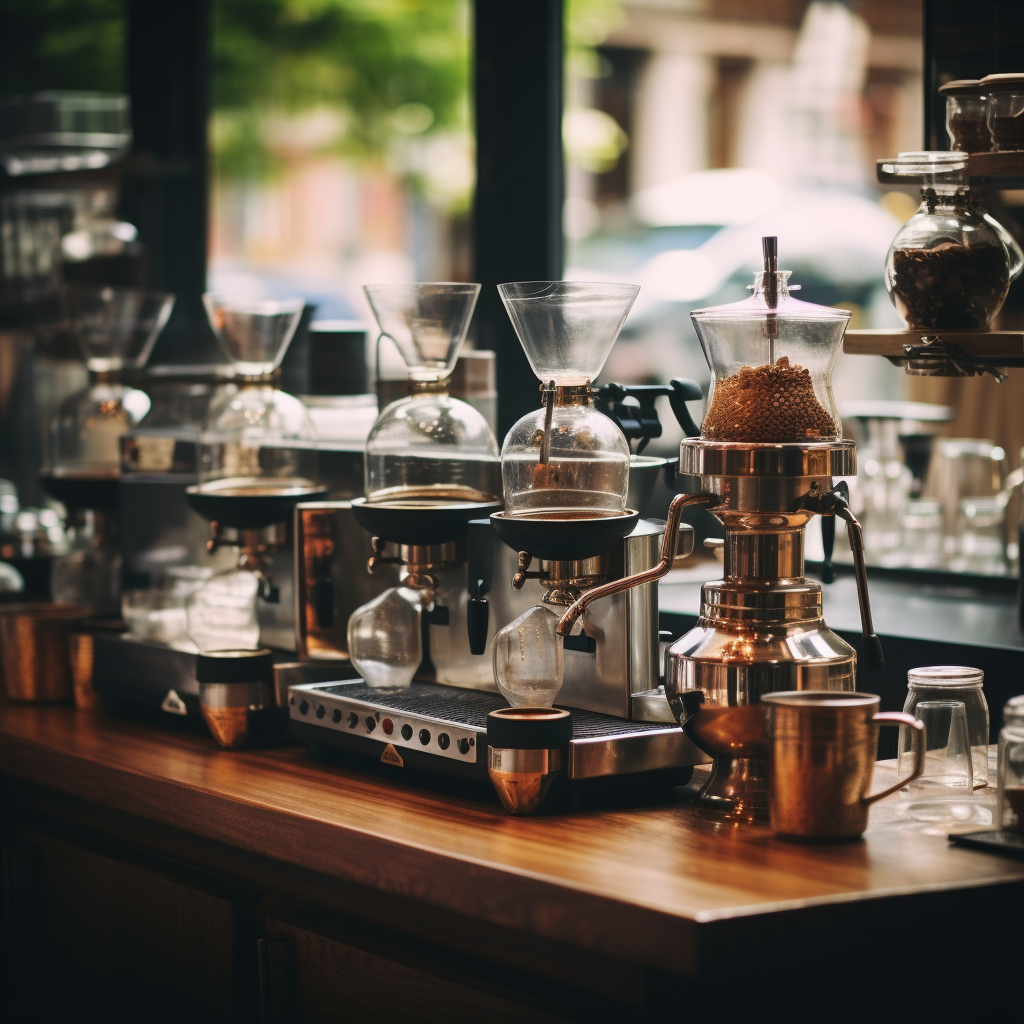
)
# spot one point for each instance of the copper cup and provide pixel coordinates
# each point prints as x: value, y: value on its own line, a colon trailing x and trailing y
x: 35, y: 651
x: 821, y: 754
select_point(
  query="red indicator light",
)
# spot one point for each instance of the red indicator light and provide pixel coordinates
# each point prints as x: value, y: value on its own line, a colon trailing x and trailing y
x: 388, y: 726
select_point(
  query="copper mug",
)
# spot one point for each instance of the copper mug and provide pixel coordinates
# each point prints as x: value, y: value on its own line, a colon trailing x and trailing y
x: 821, y: 754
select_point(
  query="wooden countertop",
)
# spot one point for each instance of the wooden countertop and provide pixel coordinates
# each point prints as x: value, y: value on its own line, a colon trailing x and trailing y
x: 635, y: 883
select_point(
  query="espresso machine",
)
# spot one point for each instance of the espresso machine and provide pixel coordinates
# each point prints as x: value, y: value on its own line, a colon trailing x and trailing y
x: 473, y: 623
x: 770, y: 448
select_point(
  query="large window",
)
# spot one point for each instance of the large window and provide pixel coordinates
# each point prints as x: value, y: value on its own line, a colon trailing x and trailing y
x: 341, y: 146
x: 692, y: 128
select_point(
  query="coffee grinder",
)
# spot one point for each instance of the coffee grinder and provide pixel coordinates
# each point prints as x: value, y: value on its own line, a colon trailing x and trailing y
x: 770, y: 446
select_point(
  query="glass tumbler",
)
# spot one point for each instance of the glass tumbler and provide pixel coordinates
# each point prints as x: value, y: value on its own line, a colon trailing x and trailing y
x: 981, y: 537
x: 957, y: 683
x: 942, y: 794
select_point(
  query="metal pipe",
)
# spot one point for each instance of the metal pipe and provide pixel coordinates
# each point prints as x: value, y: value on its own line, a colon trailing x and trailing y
x: 871, y: 653
x: 668, y: 550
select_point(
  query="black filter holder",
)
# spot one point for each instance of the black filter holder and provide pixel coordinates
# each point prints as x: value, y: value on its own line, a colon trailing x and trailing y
x: 529, y: 729
x: 235, y: 666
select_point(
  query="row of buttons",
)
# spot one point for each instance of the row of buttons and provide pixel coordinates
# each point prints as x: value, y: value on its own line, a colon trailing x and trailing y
x: 388, y: 726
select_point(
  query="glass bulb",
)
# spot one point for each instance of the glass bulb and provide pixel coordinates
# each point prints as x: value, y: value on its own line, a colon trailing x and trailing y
x: 222, y: 612
x: 385, y: 641
x: 528, y: 662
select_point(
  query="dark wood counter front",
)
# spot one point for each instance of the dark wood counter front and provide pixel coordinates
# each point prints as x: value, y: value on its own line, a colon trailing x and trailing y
x: 344, y: 894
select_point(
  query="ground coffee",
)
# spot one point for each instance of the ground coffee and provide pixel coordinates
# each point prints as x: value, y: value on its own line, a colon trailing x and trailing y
x: 951, y: 286
x: 767, y: 404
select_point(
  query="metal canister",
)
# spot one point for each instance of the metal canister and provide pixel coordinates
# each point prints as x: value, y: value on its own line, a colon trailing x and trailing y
x: 35, y: 652
x: 527, y: 749
x: 236, y: 695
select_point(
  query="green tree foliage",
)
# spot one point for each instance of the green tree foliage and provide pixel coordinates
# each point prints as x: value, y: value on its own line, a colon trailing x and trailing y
x: 61, y: 44
x: 389, y: 68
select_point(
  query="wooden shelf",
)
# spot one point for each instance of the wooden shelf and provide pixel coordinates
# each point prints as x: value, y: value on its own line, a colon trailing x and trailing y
x: 993, y: 348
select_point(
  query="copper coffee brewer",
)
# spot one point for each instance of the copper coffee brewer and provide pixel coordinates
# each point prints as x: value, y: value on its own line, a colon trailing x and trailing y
x: 765, y: 464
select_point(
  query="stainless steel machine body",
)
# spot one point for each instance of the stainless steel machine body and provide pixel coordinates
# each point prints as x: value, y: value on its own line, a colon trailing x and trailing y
x: 616, y: 658
x: 761, y: 628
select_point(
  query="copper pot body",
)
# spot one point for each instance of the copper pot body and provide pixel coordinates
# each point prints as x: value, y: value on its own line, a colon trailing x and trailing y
x: 35, y: 650
x: 821, y: 755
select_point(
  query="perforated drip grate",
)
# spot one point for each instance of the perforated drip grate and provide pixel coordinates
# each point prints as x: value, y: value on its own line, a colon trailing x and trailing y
x: 471, y: 707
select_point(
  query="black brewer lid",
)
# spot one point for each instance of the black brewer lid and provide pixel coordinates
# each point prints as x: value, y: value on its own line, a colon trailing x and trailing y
x: 961, y: 87
x: 529, y: 728
x: 235, y: 667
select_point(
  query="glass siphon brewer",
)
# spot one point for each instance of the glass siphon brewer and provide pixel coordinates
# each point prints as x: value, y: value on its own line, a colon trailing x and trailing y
x: 770, y: 447
x: 257, y: 456
x: 116, y: 329
x: 950, y: 266
x: 431, y: 466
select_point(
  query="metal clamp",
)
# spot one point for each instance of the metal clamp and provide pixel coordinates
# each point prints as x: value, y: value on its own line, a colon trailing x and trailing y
x: 668, y: 552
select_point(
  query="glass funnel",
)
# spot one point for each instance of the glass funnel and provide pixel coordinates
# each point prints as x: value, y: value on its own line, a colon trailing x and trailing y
x: 256, y: 440
x: 116, y: 329
x: 771, y: 359
x: 428, y: 447
x: 950, y: 266
x: 566, y: 459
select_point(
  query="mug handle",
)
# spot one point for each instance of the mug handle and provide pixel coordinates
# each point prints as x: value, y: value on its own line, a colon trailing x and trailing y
x: 899, y: 718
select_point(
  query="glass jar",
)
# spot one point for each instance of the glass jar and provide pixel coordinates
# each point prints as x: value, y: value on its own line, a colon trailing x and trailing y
x: 255, y: 436
x: 584, y: 468
x: 1005, y: 110
x: 85, y: 435
x: 1010, y: 768
x: 967, y: 116
x: 950, y: 266
x: 956, y: 683
x: 431, y: 447
x: 771, y: 359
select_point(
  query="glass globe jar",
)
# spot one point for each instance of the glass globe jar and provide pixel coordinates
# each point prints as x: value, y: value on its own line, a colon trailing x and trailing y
x: 85, y: 435
x: 584, y: 469
x: 950, y: 266
x: 255, y: 436
x: 431, y: 447
x: 771, y: 359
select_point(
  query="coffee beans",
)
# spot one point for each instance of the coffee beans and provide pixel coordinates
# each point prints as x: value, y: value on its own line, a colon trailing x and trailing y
x: 767, y: 404
x: 951, y: 286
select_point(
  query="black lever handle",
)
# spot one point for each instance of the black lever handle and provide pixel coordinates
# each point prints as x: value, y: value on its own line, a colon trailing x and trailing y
x: 631, y: 407
x: 828, y: 535
x: 684, y: 391
x: 479, y: 568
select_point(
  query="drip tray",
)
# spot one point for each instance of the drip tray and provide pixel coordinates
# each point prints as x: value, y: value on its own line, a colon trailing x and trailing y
x: 444, y: 729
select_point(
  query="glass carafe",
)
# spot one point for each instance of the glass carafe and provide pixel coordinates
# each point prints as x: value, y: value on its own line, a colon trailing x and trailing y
x: 428, y: 448
x: 528, y: 659
x: 385, y: 638
x: 950, y: 266
x: 771, y: 359
x: 566, y: 459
